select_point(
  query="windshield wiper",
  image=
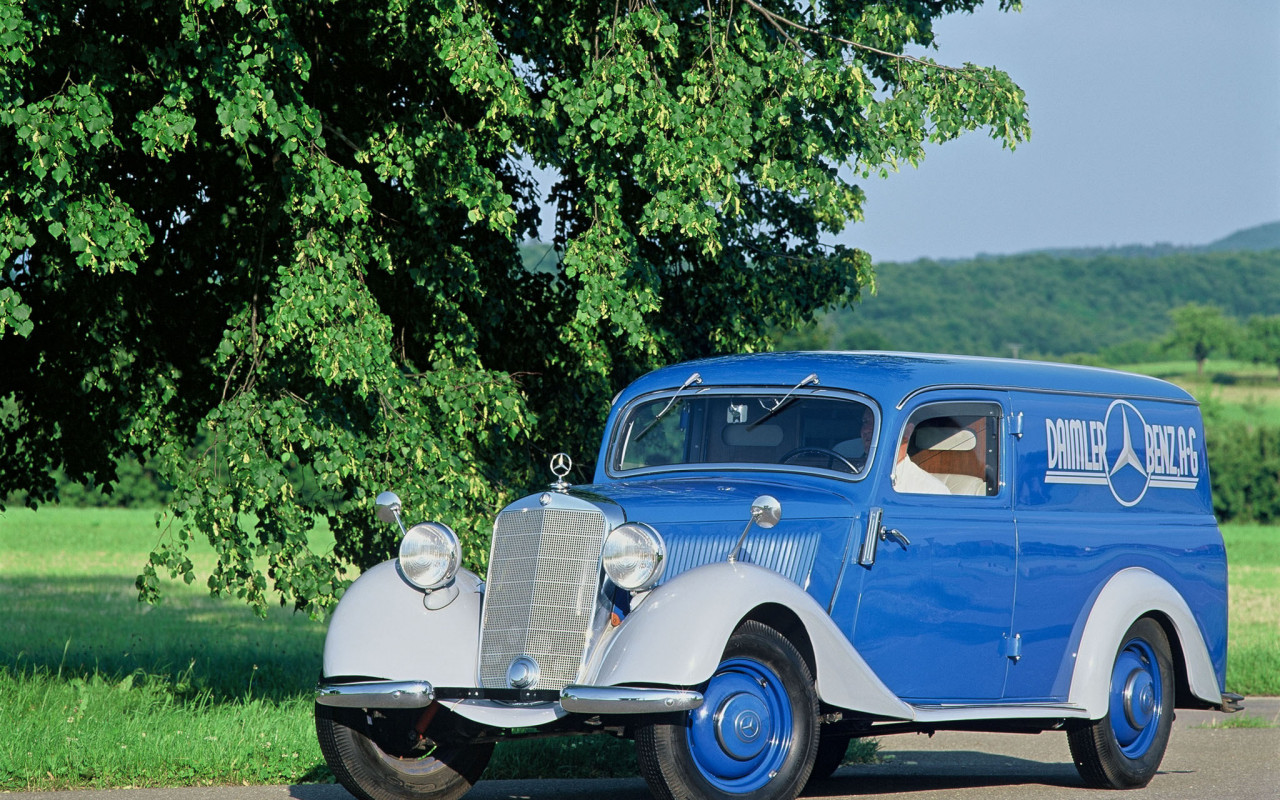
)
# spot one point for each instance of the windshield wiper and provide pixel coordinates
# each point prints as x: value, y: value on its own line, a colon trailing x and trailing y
x: 694, y: 378
x: 812, y: 377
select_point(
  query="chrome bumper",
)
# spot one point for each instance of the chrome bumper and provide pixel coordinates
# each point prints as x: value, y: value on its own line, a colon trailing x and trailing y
x: 574, y: 699
x: 379, y: 694
x: 627, y: 700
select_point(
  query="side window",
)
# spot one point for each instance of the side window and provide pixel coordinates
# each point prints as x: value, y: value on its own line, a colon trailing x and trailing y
x: 950, y: 448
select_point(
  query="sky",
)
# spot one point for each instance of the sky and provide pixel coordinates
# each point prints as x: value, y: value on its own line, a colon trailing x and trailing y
x: 1153, y: 121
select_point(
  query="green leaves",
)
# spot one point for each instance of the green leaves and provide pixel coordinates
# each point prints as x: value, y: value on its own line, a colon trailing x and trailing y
x: 13, y: 314
x: 272, y: 248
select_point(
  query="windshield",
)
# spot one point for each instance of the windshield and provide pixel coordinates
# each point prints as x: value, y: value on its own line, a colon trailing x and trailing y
x: 725, y: 428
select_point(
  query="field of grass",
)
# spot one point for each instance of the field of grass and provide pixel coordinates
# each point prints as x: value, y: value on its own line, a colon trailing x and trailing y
x: 1253, y: 639
x: 99, y: 691
x: 1228, y: 390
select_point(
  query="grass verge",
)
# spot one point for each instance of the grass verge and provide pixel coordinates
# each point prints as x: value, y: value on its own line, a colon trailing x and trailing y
x: 1253, y: 637
x: 137, y: 730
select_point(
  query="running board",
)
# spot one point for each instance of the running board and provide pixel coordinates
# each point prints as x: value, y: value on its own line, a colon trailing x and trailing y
x: 978, y: 711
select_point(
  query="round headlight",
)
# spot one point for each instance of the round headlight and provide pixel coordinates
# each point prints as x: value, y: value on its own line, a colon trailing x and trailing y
x: 429, y: 555
x: 633, y: 556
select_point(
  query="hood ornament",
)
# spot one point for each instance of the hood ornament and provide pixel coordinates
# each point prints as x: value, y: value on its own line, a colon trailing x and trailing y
x: 560, y: 466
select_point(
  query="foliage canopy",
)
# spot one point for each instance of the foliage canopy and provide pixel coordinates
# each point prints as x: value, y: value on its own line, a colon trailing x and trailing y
x: 267, y: 244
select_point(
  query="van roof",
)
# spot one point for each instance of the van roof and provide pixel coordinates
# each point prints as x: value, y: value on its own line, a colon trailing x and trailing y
x: 890, y: 377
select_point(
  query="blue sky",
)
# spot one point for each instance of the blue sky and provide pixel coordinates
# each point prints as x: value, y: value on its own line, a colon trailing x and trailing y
x: 1152, y: 121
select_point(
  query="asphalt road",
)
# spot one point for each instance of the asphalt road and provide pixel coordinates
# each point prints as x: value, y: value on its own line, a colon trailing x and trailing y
x: 1201, y: 763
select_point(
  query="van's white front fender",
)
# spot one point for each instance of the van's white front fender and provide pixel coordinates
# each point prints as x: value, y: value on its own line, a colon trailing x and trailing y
x: 1129, y: 595
x: 381, y: 629
x: 678, y: 633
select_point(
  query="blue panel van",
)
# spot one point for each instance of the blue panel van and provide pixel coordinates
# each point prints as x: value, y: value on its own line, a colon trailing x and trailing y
x: 780, y: 552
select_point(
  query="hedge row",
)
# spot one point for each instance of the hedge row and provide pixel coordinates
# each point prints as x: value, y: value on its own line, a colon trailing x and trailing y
x: 1244, y: 471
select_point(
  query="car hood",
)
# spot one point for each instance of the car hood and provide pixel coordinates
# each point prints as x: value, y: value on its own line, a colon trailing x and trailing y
x: 702, y: 521
x: 706, y: 500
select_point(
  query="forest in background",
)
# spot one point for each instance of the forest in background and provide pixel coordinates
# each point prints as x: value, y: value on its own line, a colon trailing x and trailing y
x: 1109, y: 305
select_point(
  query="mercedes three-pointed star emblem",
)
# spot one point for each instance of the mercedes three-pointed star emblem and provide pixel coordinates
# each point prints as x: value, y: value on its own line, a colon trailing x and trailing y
x: 561, y: 464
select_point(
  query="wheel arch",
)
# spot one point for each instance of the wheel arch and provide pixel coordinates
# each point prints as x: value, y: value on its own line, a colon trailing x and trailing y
x: 1129, y: 595
x: 788, y: 623
x: 1184, y: 696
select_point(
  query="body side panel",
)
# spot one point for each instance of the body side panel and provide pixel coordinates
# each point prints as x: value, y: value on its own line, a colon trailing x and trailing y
x: 1104, y: 485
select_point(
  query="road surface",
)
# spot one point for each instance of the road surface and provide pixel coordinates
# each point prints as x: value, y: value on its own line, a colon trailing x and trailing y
x: 1202, y: 762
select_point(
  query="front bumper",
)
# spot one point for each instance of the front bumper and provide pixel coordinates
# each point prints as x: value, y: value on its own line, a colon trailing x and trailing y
x: 627, y: 700
x: 573, y: 699
x: 376, y: 694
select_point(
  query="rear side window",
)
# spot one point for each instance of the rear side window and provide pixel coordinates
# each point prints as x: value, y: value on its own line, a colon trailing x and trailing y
x: 950, y: 448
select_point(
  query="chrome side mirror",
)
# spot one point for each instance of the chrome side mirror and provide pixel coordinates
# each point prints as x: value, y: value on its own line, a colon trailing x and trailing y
x: 765, y: 512
x: 387, y: 506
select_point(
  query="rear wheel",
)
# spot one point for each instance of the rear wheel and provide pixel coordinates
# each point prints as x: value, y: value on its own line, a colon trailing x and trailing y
x: 378, y: 755
x: 756, y: 735
x: 1123, y: 750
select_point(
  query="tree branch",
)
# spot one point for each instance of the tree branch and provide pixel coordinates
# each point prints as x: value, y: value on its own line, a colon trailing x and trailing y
x: 777, y: 20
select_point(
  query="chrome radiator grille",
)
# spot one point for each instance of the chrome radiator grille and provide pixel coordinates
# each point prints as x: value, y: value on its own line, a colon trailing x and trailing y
x: 540, y: 597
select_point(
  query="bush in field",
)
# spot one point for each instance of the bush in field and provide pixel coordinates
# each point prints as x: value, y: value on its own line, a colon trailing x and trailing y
x: 135, y: 486
x: 1244, y: 471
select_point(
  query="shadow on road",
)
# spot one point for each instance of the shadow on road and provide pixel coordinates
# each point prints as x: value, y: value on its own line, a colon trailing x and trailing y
x: 919, y: 771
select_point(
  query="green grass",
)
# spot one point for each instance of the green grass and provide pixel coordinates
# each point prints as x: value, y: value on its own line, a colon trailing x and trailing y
x: 98, y: 691
x: 69, y: 600
x: 1253, y: 638
x: 1238, y: 721
x: 71, y: 731
x: 1230, y: 391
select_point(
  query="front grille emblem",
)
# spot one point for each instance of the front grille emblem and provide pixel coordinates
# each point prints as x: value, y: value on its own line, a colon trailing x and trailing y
x: 523, y: 673
x: 561, y: 464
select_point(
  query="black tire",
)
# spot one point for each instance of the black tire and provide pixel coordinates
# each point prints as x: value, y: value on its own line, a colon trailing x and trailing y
x: 831, y: 752
x: 755, y: 737
x: 371, y: 755
x: 1123, y: 750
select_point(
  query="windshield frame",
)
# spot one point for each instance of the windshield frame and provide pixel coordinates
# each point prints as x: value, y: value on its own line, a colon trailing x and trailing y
x: 772, y: 392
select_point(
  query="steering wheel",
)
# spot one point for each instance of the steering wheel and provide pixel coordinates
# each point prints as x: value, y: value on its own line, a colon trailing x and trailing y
x: 832, y: 457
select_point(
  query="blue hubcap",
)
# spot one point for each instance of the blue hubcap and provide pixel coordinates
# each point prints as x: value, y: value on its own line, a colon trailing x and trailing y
x: 1136, y: 698
x: 741, y: 734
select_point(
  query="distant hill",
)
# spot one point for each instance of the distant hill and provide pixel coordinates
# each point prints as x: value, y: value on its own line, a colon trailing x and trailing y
x: 1039, y: 303
x: 1262, y: 237
x: 1259, y: 238
x: 1047, y: 302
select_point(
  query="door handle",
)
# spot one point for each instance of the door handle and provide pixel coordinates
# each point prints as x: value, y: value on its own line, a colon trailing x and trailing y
x: 876, y: 533
x: 896, y: 535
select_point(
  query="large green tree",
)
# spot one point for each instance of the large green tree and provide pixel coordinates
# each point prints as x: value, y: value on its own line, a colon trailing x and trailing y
x: 1201, y: 330
x: 269, y: 244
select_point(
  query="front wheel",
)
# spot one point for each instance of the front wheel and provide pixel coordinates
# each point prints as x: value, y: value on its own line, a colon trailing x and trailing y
x: 755, y: 736
x: 378, y: 755
x: 1123, y: 750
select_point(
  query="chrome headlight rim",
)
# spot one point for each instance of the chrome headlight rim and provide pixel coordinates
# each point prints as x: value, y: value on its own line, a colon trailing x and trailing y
x: 430, y: 555
x: 623, y: 545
